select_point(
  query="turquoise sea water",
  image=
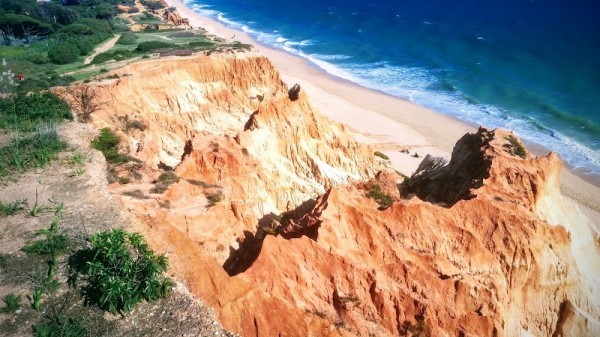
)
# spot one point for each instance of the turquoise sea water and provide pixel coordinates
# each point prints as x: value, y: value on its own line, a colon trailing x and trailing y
x: 529, y: 66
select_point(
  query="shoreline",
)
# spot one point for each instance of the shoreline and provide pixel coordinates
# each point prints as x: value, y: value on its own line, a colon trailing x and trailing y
x: 386, y: 122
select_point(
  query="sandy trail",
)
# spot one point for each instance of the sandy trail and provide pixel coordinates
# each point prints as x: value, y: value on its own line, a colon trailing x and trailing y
x: 101, y: 49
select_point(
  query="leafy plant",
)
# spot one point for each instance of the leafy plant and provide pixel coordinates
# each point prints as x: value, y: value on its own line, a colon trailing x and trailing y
x: 107, y: 142
x: 12, y: 303
x: 120, y: 271
x: 37, y: 299
x: 60, y: 326
x: 12, y: 207
x: 51, y: 245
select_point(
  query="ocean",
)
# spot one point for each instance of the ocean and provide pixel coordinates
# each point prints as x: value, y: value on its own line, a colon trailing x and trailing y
x: 531, y: 66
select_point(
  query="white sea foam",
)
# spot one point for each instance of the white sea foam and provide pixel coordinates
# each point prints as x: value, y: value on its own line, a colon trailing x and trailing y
x: 413, y: 83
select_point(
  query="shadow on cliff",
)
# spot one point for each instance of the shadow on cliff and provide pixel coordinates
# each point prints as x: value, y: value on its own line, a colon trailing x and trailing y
x: 283, y: 225
x: 445, y: 184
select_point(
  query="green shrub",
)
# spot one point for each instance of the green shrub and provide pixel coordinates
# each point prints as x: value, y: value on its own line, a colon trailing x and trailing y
x: 107, y: 142
x: 63, y: 53
x: 103, y: 57
x: 25, y: 111
x: 120, y: 271
x: 381, y: 155
x: 383, y: 199
x: 60, y: 326
x: 85, y: 44
x: 37, y: 58
x: 97, y: 25
x: 127, y: 39
x: 150, y: 46
x: 104, y: 11
x: 12, y: 303
x: 77, y: 29
x: 153, y: 4
x: 19, y: 23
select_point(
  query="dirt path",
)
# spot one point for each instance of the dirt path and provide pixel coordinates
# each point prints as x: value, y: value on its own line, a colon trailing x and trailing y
x: 102, y: 48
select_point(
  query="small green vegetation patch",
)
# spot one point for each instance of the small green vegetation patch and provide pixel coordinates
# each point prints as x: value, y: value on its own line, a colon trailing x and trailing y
x: 120, y: 271
x: 64, y: 53
x: 383, y: 199
x: 165, y: 180
x: 12, y: 208
x: 60, y: 326
x: 201, y: 44
x: 107, y: 143
x: 12, y: 303
x: 150, y: 46
x: 32, y: 152
x: 381, y: 155
x: 24, y: 111
x: 127, y: 39
x: 515, y: 147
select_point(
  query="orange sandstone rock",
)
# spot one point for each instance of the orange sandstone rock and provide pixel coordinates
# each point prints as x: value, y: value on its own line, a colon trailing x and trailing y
x: 481, y: 246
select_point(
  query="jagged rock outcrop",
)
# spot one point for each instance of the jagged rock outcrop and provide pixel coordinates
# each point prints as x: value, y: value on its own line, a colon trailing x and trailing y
x: 482, y: 246
x: 173, y: 17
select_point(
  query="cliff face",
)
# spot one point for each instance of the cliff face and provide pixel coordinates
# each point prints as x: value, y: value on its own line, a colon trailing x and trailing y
x: 295, y: 246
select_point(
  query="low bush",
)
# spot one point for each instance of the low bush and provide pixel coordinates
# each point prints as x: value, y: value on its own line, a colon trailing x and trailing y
x: 107, y: 143
x: 38, y: 58
x: 103, y: 57
x: 153, y: 4
x: 77, y: 29
x: 201, y: 44
x: 60, y: 326
x: 25, y: 111
x: 63, y: 53
x: 120, y: 271
x: 127, y: 39
x: 150, y: 46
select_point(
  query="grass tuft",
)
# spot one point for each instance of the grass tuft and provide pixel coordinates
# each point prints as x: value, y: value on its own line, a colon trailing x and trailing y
x: 12, y: 207
x: 12, y: 303
x: 383, y: 199
x: 36, y: 151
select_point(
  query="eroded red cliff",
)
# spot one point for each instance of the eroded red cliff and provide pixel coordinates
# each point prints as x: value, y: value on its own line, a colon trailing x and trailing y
x: 273, y: 220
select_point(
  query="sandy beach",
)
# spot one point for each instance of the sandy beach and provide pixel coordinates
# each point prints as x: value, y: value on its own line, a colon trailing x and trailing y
x: 388, y: 123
